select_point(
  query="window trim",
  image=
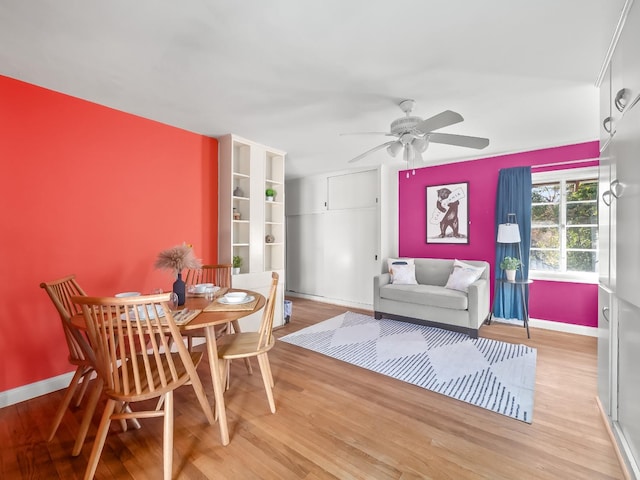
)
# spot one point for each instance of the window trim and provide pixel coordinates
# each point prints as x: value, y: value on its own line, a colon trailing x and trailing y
x: 583, y: 173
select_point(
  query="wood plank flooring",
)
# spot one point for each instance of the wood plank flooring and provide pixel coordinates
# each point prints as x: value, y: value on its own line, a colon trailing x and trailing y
x: 338, y: 421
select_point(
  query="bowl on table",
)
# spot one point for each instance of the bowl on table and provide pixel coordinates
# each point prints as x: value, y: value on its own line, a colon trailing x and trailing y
x: 202, y: 287
x: 235, y: 297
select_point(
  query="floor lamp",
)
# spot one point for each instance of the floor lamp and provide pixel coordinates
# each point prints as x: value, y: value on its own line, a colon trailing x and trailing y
x: 510, y: 233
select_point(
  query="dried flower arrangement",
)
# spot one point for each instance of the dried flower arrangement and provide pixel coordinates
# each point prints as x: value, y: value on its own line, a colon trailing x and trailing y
x: 178, y: 258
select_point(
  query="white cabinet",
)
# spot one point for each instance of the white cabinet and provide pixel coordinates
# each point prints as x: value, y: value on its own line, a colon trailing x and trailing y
x: 333, y: 236
x: 250, y: 226
x: 618, y: 359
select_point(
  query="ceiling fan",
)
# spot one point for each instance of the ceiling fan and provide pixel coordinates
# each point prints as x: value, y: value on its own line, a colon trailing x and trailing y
x: 413, y: 135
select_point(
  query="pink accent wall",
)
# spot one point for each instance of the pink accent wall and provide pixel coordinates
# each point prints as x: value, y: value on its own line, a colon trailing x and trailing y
x: 547, y: 300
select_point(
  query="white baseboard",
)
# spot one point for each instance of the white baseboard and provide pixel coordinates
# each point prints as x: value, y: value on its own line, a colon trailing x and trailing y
x: 556, y: 326
x: 33, y: 390
x: 533, y: 322
x: 333, y: 301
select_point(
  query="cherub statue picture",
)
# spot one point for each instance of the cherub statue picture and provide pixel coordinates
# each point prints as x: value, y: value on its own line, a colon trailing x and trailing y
x: 448, y: 213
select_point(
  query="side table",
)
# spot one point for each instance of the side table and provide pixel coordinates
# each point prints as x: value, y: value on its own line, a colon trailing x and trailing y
x: 523, y: 286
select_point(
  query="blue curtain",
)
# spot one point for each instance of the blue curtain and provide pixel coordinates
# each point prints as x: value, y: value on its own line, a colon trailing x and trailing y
x: 513, y: 196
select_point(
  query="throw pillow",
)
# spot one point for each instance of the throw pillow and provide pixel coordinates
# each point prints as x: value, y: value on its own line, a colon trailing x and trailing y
x: 397, y: 261
x: 403, y: 274
x: 463, y: 275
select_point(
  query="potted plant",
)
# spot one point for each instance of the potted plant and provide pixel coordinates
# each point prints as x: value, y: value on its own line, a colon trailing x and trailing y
x: 237, y: 263
x: 510, y: 265
x: 270, y: 193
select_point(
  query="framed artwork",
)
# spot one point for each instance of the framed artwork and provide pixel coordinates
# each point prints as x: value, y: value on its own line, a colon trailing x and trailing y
x: 448, y: 213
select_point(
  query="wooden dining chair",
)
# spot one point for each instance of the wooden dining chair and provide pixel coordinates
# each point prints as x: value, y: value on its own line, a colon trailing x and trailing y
x: 130, y: 339
x: 61, y: 292
x: 254, y: 344
x: 220, y: 276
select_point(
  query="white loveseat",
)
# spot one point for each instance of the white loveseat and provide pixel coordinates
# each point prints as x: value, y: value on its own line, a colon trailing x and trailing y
x: 430, y: 302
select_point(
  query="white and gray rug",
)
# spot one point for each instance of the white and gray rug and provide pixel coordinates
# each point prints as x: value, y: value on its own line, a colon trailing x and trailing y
x: 488, y: 373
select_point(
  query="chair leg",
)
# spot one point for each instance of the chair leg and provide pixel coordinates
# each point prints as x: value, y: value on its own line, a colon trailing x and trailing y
x: 85, y: 383
x: 88, y: 415
x: 160, y: 402
x: 236, y: 329
x: 268, y: 364
x: 101, y: 436
x: 167, y: 442
x: 264, y: 369
x: 68, y: 395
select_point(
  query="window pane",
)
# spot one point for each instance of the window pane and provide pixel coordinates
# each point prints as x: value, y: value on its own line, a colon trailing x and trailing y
x: 582, y: 213
x: 544, y: 260
x: 545, y: 237
x: 545, y: 215
x: 581, y: 261
x: 582, y: 237
x: 545, y: 193
x: 582, y: 190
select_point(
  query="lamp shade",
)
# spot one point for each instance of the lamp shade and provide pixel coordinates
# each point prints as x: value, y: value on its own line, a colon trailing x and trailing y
x: 394, y: 148
x: 508, y: 233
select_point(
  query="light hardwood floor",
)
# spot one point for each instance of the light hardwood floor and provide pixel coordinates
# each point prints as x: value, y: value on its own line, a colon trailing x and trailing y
x: 338, y: 421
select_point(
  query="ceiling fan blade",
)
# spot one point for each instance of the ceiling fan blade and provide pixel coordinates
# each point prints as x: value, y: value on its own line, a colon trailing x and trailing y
x: 459, y: 140
x: 367, y: 133
x: 374, y: 149
x: 443, y: 119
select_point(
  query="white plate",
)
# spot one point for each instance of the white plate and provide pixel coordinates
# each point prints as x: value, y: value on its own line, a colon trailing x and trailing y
x: 159, y: 310
x: 248, y: 299
x: 127, y: 294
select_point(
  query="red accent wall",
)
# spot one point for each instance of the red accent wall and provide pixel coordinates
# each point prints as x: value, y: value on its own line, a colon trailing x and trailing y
x: 547, y: 300
x: 96, y: 192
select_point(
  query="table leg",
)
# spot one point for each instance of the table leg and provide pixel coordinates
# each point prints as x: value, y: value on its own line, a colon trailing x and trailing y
x: 218, y: 387
x: 525, y: 310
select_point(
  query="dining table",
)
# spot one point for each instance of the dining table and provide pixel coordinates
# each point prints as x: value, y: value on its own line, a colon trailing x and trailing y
x: 214, y: 313
x: 203, y: 312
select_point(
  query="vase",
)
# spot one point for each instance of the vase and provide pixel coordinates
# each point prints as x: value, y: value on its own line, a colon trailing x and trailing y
x: 179, y: 289
x: 511, y: 275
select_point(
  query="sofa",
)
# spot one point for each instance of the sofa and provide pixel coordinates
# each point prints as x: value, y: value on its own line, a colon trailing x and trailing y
x: 450, y: 294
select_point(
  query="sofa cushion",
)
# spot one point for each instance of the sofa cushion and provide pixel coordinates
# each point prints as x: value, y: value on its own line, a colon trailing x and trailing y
x: 403, y: 274
x: 428, y: 295
x: 397, y: 261
x: 463, y: 275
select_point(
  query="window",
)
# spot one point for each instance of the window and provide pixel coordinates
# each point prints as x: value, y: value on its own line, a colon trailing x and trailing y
x: 564, y: 225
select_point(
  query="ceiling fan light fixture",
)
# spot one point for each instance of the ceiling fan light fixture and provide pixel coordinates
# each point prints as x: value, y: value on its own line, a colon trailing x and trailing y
x: 420, y: 144
x: 394, y: 148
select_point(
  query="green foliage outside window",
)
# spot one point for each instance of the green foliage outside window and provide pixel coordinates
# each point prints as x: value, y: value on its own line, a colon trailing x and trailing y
x: 570, y: 223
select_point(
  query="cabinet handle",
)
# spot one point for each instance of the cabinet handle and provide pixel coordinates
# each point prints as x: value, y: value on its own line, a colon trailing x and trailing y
x: 617, y: 188
x: 606, y: 124
x: 605, y: 313
x: 606, y: 198
x: 621, y: 99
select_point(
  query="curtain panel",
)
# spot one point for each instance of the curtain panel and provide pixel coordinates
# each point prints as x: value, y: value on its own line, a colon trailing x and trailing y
x: 513, y: 196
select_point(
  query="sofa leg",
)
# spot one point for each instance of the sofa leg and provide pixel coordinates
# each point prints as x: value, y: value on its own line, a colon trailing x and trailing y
x: 377, y: 315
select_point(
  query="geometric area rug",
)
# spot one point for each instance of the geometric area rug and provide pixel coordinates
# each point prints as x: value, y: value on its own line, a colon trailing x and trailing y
x: 495, y: 375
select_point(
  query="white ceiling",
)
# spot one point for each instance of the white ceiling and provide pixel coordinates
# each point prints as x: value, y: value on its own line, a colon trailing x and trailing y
x: 294, y: 74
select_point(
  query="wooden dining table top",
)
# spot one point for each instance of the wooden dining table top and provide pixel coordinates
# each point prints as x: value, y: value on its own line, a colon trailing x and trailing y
x: 204, y: 318
x: 211, y: 318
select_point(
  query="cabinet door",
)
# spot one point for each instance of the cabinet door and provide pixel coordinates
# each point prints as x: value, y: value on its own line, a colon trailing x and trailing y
x: 626, y: 150
x: 604, y: 219
x: 351, y: 247
x: 305, y: 253
x: 605, y: 109
x: 604, y: 349
x: 629, y: 377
